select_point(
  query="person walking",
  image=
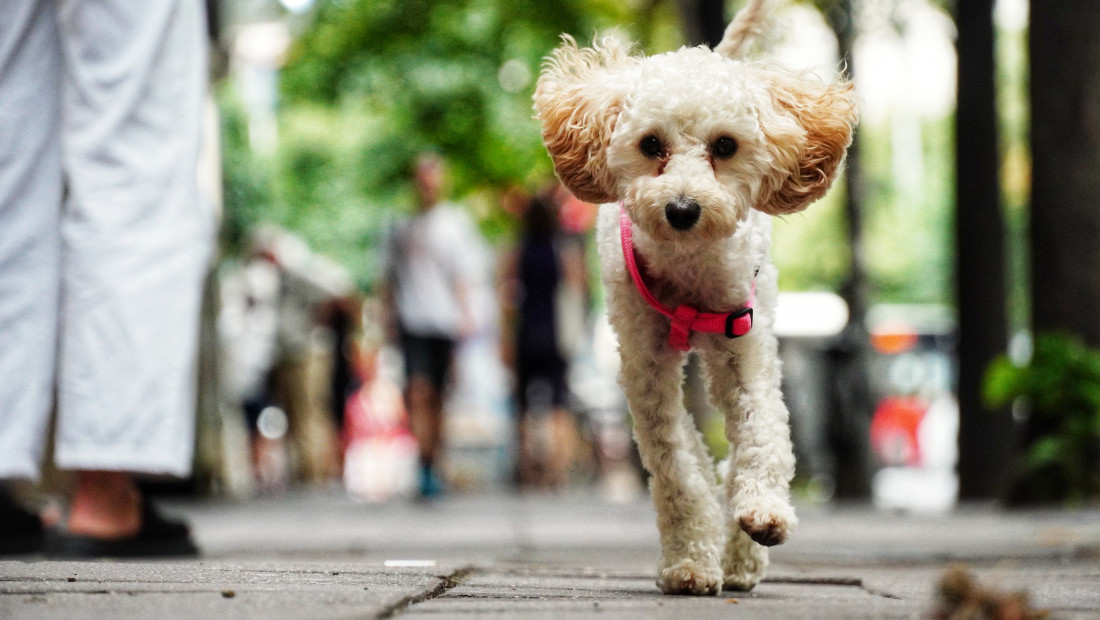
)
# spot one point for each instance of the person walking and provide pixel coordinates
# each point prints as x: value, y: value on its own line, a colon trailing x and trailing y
x: 426, y: 297
x: 545, y: 293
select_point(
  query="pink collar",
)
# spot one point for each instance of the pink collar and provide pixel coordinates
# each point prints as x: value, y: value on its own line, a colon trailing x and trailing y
x: 685, y: 319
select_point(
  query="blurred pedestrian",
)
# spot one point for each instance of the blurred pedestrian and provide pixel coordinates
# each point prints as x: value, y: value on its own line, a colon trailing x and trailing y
x: 426, y: 298
x: 105, y: 242
x: 248, y: 322
x: 307, y: 281
x: 545, y: 291
x: 342, y: 317
x: 278, y: 351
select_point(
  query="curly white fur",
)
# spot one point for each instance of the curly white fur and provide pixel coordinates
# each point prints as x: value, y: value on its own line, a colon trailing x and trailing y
x: 603, y: 111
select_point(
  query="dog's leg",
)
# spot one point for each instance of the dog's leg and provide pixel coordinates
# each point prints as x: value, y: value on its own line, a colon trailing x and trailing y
x: 743, y: 561
x: 689, y: 516
x: 744, y: 382
x: 699, y: 449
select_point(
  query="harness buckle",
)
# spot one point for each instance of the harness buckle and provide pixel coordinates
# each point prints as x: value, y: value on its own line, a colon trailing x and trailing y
x: 732, y: 318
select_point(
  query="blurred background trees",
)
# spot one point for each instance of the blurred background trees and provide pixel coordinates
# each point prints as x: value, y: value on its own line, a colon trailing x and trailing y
x: 368, y: 84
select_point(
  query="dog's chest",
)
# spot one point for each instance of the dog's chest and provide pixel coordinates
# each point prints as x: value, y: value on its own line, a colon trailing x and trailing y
x: 714, y: 282
x: 716, y: 277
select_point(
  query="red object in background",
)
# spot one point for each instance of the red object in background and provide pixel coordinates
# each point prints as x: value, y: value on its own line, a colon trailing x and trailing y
x: 380, y: 454
x: 895, y: 428
x: 374, y: 412
x: 577, y: 216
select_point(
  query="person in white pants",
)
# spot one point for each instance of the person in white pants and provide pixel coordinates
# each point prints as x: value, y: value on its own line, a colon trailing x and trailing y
x: 104, y: 242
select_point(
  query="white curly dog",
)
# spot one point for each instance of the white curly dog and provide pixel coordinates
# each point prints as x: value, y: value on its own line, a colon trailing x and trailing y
x: 691, y: 152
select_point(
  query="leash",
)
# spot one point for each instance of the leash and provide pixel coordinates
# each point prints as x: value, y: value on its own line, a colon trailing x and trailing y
x: 685, y: 319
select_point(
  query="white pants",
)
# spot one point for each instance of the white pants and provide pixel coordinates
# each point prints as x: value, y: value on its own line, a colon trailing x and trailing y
x: 104, y: 239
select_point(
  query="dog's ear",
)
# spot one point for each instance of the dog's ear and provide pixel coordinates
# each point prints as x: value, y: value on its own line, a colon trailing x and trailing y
x: 753, y: 23
x: 808, y: 128
x: 578, y: 99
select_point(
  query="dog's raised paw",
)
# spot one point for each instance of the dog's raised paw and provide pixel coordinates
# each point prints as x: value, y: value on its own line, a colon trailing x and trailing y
x: 690, y: 578
x: 767, y: 527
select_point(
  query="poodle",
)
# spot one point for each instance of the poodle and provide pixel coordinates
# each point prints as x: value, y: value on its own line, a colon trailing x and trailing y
x: 690, y: 152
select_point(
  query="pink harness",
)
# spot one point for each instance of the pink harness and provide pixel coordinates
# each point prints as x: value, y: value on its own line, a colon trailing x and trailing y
x: 685, y: 319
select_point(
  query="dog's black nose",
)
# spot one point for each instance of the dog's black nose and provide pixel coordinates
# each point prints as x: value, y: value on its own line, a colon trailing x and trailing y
x: 682, y: 213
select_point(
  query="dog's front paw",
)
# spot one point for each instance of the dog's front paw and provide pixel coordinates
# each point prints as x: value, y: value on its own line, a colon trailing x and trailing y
x: 767, y: 523
x: 740, y: 582
x: 690, y: 577
x: 743, y: 563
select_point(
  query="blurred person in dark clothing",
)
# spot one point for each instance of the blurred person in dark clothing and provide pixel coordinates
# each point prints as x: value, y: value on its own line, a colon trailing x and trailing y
x: 539, y: 279
x: 342, y: 316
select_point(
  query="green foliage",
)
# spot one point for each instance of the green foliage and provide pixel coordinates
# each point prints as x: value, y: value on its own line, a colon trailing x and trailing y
x: 907, y: 231
x: 327, y: 180
x: 370, y: 83
x: 1061, y: 385
x: 452, y: 75
x: 315, y: 184
x: 1014, y: 108
x: 247, y: 183
x: 909, y: 215
x: 810, y: 248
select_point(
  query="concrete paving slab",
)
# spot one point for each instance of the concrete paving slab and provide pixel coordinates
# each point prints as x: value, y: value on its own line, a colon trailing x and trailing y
x: 201, y: 589
x: 504, y: 595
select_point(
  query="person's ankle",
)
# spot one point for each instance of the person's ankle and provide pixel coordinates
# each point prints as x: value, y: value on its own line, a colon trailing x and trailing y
x: 105, y: 505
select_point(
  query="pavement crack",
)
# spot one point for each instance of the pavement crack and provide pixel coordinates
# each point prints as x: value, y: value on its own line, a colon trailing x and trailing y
x: 817, y: 581
x: 446, y: 583
x: 881, y: 593
x: 854, y: 582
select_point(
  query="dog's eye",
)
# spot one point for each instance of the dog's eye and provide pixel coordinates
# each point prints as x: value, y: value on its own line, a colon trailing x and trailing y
x: 651, y: 146
x: 724, y: 147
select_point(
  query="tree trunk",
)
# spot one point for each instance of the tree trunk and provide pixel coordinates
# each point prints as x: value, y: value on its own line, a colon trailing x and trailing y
x: 985, y: 437
x: 1065, y: 135
x: 1064, y: 42
x: 853, y: 405
x: 704, y: 21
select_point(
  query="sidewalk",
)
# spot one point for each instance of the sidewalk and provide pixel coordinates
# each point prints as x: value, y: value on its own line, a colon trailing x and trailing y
x: 319, y: 555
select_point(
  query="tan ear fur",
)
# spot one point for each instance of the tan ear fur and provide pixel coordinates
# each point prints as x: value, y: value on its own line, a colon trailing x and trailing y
x: 577, y: 100
x: 827, y: 115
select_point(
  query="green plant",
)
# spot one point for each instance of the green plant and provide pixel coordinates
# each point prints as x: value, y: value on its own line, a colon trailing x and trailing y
x: 1061, y: 440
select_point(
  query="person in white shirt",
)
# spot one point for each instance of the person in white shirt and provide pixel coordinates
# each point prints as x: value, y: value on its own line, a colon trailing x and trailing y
x: 425, y: 290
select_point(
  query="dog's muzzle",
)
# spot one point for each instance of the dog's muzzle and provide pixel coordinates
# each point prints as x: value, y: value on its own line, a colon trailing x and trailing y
x: 682, y: 213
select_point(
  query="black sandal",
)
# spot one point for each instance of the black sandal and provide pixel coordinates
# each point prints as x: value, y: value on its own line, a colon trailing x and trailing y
x: 158, y: 537
x: 23, y: 532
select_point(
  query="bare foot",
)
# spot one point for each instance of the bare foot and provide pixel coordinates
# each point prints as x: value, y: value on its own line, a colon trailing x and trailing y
x: 107, y: 505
